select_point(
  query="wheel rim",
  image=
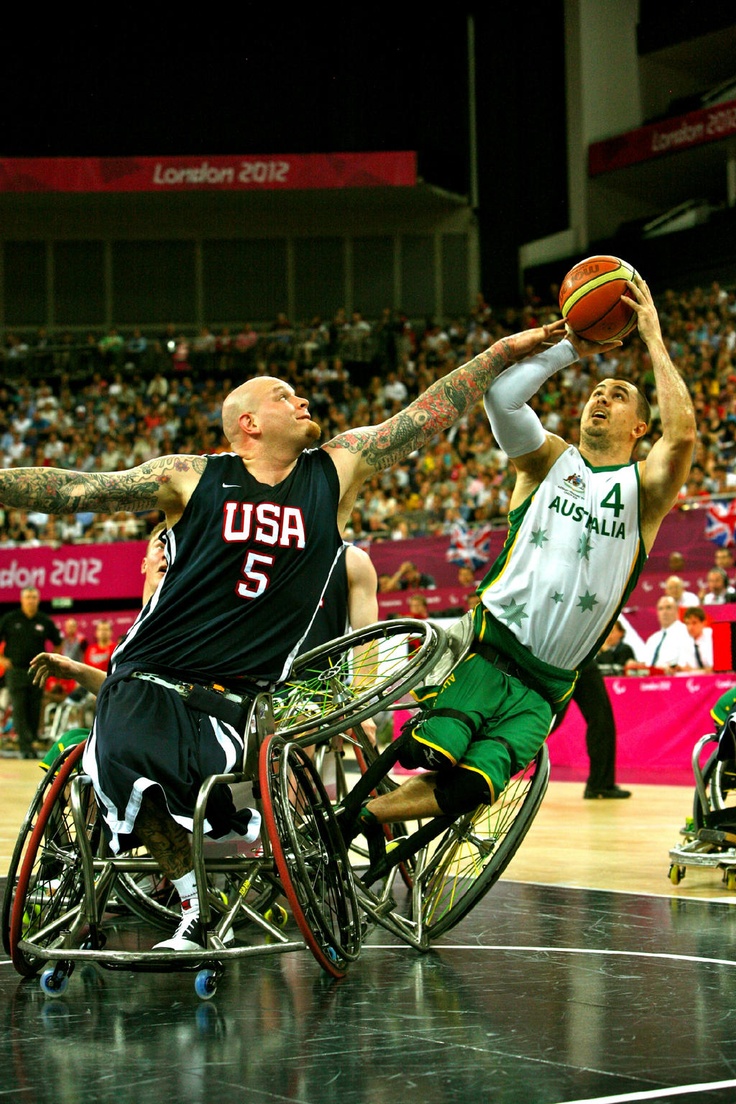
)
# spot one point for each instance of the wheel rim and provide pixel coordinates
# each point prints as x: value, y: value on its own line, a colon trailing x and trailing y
x: 310, y: 855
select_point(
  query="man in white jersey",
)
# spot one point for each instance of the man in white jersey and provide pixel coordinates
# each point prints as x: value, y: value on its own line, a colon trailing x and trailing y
x: 581, y: 524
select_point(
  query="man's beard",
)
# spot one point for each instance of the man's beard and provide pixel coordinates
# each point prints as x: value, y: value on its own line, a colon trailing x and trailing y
x: 595, y: 441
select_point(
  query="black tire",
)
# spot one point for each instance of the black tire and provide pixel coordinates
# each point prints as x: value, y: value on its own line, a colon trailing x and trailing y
x: 470, y: 856
x: 25, y: 832
x: 324, y: 695
x: 719, y: 779
x: 310, y: 854
x: 45, y: 884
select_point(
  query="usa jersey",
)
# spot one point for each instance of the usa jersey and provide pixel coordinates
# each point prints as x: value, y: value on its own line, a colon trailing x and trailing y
x: 331, y: 620
x: 248, y: 566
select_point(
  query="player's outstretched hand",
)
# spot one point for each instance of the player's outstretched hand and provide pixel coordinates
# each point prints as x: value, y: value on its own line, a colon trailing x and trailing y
x: 529, y: 342
x: 51, y: 665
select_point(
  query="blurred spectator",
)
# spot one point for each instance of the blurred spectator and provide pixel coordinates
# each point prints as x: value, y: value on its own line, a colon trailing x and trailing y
x: 466, y: 576
x: 417, y: 604
x: 717, y: 590
x: 723, y: 558
x: 696, y: 653
x: 112, y: 347
x: 98, y: 653
x: 615, y: 652
x: 674, y: 586
x: 662, y: 649
x: 409, y: 577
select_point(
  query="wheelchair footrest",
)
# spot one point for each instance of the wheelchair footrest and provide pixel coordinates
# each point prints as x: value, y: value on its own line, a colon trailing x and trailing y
x: 721, y: 836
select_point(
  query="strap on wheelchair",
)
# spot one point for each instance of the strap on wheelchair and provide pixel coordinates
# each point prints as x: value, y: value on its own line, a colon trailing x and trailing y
x: 365, y: 785
x: 403, y: 849
x: 220, y: 703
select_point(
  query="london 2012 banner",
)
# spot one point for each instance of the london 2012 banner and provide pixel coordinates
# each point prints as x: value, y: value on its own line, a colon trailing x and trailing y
x: 249, y: 172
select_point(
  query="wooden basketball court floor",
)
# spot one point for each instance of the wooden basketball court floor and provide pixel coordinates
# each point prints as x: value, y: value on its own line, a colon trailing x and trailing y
x: 584, y: 975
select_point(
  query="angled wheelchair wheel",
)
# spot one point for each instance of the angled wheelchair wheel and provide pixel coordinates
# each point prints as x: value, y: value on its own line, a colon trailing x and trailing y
x: 470, y: 856
x: 45, y: 884
x: 69, y: 761
x: 310, y: 854
x: 348, y: 679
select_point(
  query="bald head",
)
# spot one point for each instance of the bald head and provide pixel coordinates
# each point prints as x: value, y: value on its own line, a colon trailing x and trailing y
x: 244, y: 399
x: 265, y: 411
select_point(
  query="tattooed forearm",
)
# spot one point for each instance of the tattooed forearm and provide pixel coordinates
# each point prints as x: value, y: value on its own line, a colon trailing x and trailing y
x: 56, y: 491
x: 439, y: 407
x: 445, y: 402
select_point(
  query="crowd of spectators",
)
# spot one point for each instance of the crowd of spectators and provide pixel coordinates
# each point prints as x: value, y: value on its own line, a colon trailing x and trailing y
x: 114, y: 400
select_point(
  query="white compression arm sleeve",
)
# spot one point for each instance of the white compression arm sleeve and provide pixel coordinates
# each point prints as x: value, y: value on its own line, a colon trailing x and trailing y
x: 515, y: 426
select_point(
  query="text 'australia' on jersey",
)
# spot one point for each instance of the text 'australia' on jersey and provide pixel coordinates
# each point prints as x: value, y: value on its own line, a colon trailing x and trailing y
x: 248, y: 564
x: 573, y: 553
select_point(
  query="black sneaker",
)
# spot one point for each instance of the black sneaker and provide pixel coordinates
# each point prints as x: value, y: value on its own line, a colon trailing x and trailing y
x: 245, y: 824
x: 611, y: 792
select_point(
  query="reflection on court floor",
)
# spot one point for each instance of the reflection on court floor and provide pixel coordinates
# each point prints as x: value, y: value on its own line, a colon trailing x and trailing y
x: 541, y: 995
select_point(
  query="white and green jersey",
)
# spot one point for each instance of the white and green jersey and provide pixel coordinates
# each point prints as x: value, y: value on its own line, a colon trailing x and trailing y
x: 572, y: 556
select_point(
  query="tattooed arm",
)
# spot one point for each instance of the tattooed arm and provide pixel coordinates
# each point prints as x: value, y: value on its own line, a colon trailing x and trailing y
x: 359, y: 453
x: 165, y: 483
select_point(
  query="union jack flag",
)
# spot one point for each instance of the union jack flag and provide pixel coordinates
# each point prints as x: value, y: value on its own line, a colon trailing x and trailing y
x: 469, y: 546
x: 720, y: 523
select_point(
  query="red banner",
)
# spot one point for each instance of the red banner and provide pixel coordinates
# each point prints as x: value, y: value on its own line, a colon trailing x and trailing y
x: 193, y: 174
x: 666, y: 136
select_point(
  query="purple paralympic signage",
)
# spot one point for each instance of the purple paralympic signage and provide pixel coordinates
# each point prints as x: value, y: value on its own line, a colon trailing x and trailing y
x: 74, y: 571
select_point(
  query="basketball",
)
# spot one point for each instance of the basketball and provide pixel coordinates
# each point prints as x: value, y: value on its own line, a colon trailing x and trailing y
x: 590, y: 299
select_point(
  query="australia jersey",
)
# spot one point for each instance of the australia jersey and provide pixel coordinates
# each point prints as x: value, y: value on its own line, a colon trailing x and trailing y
x: 248, y: 565
x: 571, y: 558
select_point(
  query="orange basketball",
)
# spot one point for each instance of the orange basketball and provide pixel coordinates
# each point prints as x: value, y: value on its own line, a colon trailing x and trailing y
x: 590, y: 299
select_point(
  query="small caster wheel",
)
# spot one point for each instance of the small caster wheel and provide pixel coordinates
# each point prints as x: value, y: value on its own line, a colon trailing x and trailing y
x: 205, y: 984
x: 677, y: 873
x: 54, y: 981
x: 276, y: 915
x: 730, y: 879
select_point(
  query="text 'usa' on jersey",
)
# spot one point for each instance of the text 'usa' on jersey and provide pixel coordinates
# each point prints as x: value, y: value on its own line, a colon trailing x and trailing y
x: 248, y: 565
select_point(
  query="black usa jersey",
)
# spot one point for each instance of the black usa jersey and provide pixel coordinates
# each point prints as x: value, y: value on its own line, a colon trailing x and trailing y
x: 248, y: 566
x: 331, y: 619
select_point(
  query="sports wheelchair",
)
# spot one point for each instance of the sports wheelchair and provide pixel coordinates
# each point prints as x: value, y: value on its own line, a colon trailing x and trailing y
x: 448, y: 863
x: 709, y: 835
x: 65, y: 892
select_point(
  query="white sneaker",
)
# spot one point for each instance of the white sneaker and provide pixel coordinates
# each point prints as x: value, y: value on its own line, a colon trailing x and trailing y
x: 191, y: 935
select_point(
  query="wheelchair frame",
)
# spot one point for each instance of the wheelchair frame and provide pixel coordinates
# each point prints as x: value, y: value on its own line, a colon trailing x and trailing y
x: 65, y: 922
x: 448, y: 864
x: 710, y: 796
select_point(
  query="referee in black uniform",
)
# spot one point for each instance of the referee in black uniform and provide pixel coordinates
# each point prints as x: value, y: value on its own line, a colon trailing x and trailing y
x: 25, y: 633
